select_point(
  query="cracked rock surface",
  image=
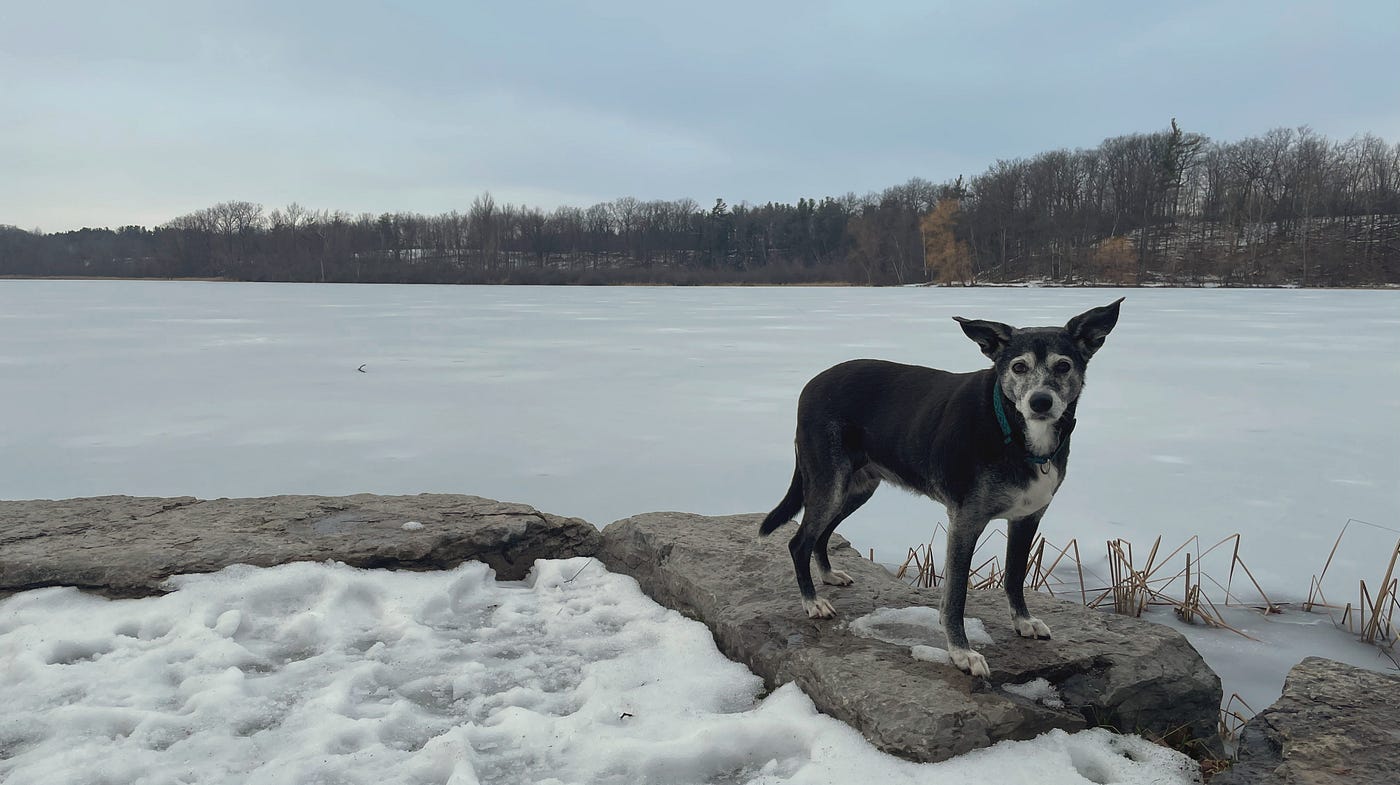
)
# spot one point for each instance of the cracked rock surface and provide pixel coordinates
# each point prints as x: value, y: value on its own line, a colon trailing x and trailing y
x: 124, y: 546
x: 1100, y: 669
x: 1334, y: 723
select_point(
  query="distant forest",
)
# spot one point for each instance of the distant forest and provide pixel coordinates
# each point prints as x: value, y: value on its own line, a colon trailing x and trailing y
x: 1291, y: 207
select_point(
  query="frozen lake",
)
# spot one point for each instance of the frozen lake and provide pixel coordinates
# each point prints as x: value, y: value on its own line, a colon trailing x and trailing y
x: 1266, y: 412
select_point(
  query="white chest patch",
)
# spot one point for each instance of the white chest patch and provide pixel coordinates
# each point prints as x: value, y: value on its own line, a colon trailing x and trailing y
x: 1040, y: 437
x: 1033, y: 497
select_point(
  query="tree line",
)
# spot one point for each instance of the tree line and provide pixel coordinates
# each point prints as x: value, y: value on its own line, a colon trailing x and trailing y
x: 1290, y: 207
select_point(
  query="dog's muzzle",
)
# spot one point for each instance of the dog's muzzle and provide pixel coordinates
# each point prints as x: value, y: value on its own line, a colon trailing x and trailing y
x: 1041, y: 402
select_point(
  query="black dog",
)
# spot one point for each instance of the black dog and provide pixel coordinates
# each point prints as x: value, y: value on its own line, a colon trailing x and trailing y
x: 989, y: 444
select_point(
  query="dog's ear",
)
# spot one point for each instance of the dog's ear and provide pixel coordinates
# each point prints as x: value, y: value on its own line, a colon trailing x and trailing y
x: 1088, y: 329
x: 991, y: 336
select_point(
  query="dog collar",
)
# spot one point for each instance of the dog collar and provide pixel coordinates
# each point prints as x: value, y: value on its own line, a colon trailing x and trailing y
x: 999, y: 407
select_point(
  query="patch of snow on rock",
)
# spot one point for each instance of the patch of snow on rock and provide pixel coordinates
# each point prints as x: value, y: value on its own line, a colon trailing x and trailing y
x: 1038, y: 690
x: 931, y: 654
x: 914, y: 626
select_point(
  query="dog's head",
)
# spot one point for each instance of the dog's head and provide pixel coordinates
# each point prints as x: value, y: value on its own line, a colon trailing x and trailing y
x: 1041, y: 369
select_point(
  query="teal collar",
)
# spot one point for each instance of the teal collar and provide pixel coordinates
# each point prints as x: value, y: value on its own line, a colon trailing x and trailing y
x: 999, y: 407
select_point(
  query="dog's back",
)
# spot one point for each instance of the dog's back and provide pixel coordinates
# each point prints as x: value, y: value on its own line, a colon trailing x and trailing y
x: 926, y: 417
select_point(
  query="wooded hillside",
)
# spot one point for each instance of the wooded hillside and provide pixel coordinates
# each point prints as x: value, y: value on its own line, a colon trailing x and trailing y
x: 1291, y: 207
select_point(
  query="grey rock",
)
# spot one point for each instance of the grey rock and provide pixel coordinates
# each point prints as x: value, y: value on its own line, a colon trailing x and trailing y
x: 1334, y: 723
x: 124, y: 546
x: 1128, y: 674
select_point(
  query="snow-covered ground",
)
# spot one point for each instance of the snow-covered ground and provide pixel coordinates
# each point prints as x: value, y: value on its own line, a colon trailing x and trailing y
x: 321, y: 673
x: 1269, y: 412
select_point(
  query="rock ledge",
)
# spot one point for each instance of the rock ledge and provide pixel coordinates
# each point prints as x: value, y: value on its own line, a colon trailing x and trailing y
x: 1132, y: 675
x: 1334, y: 723
x: 124, y: 546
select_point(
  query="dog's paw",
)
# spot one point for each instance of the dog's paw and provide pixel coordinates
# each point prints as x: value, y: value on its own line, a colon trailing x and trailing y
x: 837, y: 578
x: 970, y: 661
x: 1031, y: 627
x: 819, y: 608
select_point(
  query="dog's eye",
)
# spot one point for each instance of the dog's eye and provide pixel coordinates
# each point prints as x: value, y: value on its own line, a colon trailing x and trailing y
x: 1019, y: 367
x: 1062, y: 366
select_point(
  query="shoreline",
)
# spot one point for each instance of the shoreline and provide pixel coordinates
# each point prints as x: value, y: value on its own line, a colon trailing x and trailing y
x: 724, y: 284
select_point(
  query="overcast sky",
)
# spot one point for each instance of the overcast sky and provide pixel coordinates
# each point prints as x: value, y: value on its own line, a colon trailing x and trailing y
x: 136, y: 112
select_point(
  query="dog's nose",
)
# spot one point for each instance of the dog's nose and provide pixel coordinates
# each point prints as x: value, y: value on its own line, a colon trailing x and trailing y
x: 1041, y: 402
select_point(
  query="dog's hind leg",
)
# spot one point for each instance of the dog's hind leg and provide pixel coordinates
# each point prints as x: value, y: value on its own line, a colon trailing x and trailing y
x: 963, y: 531
x: 815, y: 517
x: 1019, y: 535
x: 824, y: 494
x: 862, y: 487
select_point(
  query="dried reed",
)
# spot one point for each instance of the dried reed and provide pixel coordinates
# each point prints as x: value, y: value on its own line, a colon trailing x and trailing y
x: 1231, y: 719
x: 1132, y: 588
x: 1372, y: 618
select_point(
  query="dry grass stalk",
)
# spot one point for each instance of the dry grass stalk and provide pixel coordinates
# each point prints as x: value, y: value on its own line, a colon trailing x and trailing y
x: 1228, y: 587
x: 1370, y: 618
x: 1269, y: 606
x: 1190, y: 607
x: 1132, y: 588
x: 1315, y: 596
x: 1366, y: 608
x: 990, y: 573
x: 1387, y: 591
x: 1079, y: 565
x: 1040, y: 574
x: 1317, y: 579
x: 1231, y: 719
x: 923, y: 574
x: 1375, y: 617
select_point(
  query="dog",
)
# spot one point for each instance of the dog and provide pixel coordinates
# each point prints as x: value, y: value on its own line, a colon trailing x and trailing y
x: 991, y: 444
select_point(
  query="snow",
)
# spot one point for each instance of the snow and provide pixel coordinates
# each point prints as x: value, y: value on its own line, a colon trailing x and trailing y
x: 913, y: 626
x: 323, y: 673
x: 931, y: 654
x: 916, y: 627
x: 1039, y: 690
x: 1208, y: 412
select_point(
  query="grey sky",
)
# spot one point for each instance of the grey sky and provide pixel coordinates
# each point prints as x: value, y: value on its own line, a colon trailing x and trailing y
x: 119, y: 113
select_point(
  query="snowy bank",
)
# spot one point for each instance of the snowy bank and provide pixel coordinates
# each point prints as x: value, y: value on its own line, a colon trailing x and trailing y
x: 326, y: 673
x: 445, y: 675
x: 883, y: 675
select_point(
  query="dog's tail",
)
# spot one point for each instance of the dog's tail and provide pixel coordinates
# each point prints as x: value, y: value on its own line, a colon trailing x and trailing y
x: 786, y: 508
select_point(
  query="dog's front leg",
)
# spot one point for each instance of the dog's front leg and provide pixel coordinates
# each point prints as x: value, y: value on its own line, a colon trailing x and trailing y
x: 1019, y: 535
x: 963, y: 532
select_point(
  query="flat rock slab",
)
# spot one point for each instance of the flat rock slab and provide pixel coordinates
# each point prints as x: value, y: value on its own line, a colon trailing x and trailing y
x: 1128, y: 674
x: 125, y: 546
x: 1334, y: 723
